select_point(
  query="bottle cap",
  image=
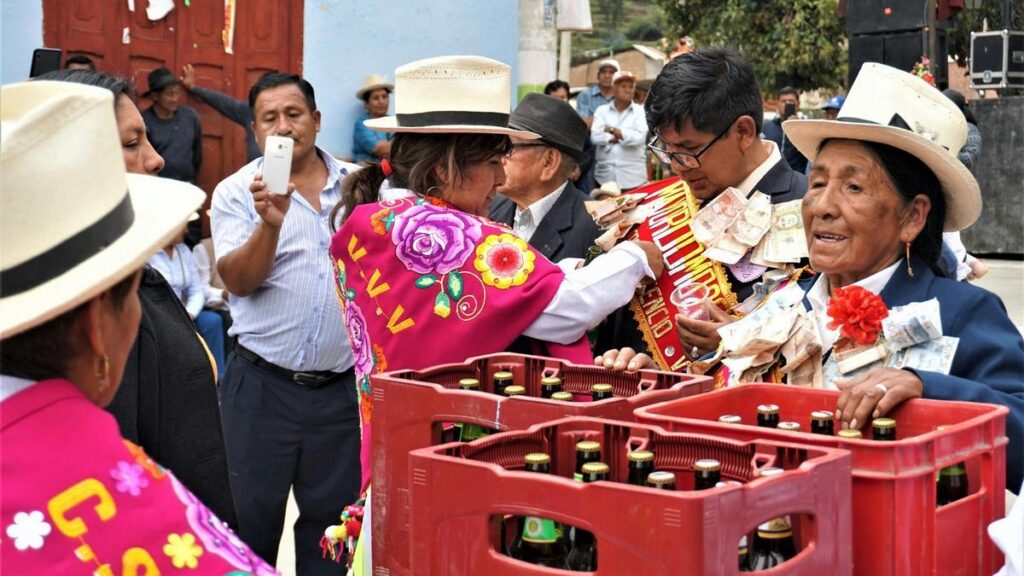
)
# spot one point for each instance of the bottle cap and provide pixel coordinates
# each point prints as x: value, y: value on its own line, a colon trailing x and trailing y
x: 850, y: 433
x: 640, y: 456
x: 514, y: 391
x: 707, y: 465
x: 551, y: 381
x: 727, y: 483
x: 730, y: 419
x: 469, y: 383
x: 770, y: 471
x: 789, y: 426
x: 588, y: 446
x: 768, y: 409
x: 884, y: 423
x: 602, y: 388
x: 660, y: 477
x: 537, y: 458
x: 595, y: 468
x: 503, y: 375
x: 563, y: 396
x: 821, y: 415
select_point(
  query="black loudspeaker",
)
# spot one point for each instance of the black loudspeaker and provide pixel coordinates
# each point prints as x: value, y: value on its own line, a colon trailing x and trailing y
x: 900, y: 50
x: 997, y: 59
x: 874, y: 16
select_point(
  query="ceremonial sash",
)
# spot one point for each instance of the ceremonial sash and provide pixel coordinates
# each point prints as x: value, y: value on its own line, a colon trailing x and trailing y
x: 668, y: 227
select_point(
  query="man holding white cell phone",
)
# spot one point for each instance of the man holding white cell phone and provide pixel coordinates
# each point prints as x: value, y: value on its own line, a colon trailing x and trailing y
x: 288, y: 400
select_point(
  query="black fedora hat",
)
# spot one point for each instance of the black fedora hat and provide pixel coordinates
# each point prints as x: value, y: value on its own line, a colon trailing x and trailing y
x: 555, y: 120
x: 159, y: 79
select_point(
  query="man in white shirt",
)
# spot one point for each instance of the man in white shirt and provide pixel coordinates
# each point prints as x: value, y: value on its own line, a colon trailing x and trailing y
x: 538, y: 201
x: 619, y: 133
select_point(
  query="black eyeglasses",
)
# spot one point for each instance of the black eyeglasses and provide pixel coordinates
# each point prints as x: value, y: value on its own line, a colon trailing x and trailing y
x: 690, y: 161
x: 516, y: 146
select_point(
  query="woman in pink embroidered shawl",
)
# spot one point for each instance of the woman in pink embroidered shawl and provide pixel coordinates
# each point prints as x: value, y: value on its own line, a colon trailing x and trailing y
x: 424, y: 277
x: 75, y: 231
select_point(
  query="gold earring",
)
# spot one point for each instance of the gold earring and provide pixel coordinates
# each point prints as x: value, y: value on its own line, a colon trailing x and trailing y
x: 910, y: 271
x: 431, y: 192
x: 102, y: 369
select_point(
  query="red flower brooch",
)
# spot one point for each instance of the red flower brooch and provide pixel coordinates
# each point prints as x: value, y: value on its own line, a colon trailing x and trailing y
x: 857, y: 313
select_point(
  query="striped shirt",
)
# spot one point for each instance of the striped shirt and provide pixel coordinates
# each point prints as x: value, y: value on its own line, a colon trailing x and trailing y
x: 293, y: 319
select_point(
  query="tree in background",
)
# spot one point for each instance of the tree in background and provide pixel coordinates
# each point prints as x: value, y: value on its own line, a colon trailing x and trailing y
x: 800, y: 43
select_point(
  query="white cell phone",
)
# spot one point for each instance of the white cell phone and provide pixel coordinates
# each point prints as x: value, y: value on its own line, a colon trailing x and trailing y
x: 277, y: 163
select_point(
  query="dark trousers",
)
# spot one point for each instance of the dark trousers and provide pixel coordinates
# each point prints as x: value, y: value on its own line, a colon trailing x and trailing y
x: 280, y: 435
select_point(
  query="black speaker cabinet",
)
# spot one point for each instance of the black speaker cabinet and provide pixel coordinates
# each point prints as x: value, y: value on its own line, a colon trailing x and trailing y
x: 874, y: 16
x: 900, y: 50
x: 997, y: 59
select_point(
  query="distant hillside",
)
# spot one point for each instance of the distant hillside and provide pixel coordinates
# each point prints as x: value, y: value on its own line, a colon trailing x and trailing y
x: 618, y: 24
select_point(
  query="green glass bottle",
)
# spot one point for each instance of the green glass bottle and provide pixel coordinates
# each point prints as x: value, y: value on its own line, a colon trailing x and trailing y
x: 582, y: 556
x: 951, y: 483
x: 550, y: 385
x: 539, y: 540
x: 641, y: 463
x: 501, y: 380
x: 773, y: 544
x: 586, y: 451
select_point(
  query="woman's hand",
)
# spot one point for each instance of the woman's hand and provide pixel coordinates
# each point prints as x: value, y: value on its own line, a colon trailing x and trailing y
x: 702, y: 334
x: 625, y: 359
x: 873, y: 394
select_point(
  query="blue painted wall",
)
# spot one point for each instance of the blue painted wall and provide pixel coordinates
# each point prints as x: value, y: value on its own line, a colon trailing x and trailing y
x: 348, y: 39
x: 21, y: 32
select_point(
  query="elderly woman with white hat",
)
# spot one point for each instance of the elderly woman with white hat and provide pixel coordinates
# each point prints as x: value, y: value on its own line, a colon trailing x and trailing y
x: 369, y: 145
x: 76, y: 497
x: 424, y: 277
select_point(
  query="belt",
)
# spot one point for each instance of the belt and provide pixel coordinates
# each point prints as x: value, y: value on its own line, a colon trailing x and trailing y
x: 309, y: 379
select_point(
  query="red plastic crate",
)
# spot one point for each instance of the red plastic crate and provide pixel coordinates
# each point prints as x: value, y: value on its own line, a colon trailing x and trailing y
x: 897, y: 529
x: 409, y: 405
x: 461, y: 490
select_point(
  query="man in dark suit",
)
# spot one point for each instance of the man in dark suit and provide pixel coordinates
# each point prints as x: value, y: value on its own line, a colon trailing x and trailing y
x: 538, y: 200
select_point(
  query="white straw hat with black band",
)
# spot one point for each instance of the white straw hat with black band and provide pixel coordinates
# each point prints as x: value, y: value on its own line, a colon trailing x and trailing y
x: 374, y: 82
x: 72, y: 222
x: 893, y: 107
x: 452, y: 94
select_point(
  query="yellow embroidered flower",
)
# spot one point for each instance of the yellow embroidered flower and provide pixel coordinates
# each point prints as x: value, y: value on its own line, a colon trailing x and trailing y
x: 505, y: 260
x: 182, y: 550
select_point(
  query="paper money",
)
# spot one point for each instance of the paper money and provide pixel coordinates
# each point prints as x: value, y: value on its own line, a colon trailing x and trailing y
x: 714, y: 218
x: 757, y: 255
x: 786, y: 239
x: 935, y: 355
x: 912, y: 324
x: 754, y: 220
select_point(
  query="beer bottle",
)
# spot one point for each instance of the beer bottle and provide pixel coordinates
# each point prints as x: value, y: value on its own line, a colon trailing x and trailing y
x: 601, y: 392
x: 501, y: 380
x: 586, y: 451
x: 768, y: 415
x: 706, y: 473
x: 773, y: 544
x: 744, y: 555
x: 514, y: 391
x: 592, y: 252
x: 562, y: 396
x: 454, y: 432
x: 549, y: 386
x: 883, y: 429
x: 730, y: 419
x: 789, y: 426
x: 850, y: 434
x: 641, y: 463
x: 951, y: 483
x: 469, y: 384
x: 661, y: 480
x: 539, y: 541
x: 821, y: 423
x: 583, y: 555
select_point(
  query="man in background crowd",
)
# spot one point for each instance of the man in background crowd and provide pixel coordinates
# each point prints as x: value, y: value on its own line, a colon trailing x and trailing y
x: 619, y: 133
x: 787, y: 105
x: 587, y: 102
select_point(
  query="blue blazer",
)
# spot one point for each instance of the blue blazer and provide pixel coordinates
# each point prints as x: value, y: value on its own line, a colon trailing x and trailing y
x: 989, y: 361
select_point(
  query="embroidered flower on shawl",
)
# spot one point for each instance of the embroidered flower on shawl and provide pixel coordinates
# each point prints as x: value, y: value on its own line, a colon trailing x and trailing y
x: 379, y: 360
x: 382, y: 221
x: 359, y: 338
x: 428, y: 239
x: 505, y: 261
x: 858, y: 313
x: 182, y: 550
x: 131, y: 478
x: 142, y: 459
x: 365, y: 400
x: 28, y: 530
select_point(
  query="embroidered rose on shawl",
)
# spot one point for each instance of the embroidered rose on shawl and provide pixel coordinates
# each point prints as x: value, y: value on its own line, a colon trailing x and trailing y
x: 28, y: 530
x: 857, y: 313
x: 431, y: 240
x: 359, y: 338
x: 505, y: 261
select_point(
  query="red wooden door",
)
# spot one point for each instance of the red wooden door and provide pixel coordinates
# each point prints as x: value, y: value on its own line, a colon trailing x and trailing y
x: 268, y: 36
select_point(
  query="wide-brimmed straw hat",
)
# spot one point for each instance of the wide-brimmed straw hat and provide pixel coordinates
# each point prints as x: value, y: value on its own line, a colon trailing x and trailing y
x: 452, y: 94
x: 374, y: 82
x: 893, y: 107
x: 72, y: 222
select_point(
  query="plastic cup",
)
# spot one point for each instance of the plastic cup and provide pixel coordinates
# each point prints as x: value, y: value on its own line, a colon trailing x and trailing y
x: 689, y: 299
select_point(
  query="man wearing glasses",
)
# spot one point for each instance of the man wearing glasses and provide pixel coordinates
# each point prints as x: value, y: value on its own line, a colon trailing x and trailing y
x: 705, y: 114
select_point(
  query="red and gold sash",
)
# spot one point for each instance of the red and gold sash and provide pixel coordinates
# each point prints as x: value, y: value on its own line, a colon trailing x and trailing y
x: 669, y: 228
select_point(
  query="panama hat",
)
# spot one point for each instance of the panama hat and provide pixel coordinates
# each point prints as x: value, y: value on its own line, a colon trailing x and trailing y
x: 893, y: 107
x: 374, y: 82
x: 452, y: 94
x: 72, y: 222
